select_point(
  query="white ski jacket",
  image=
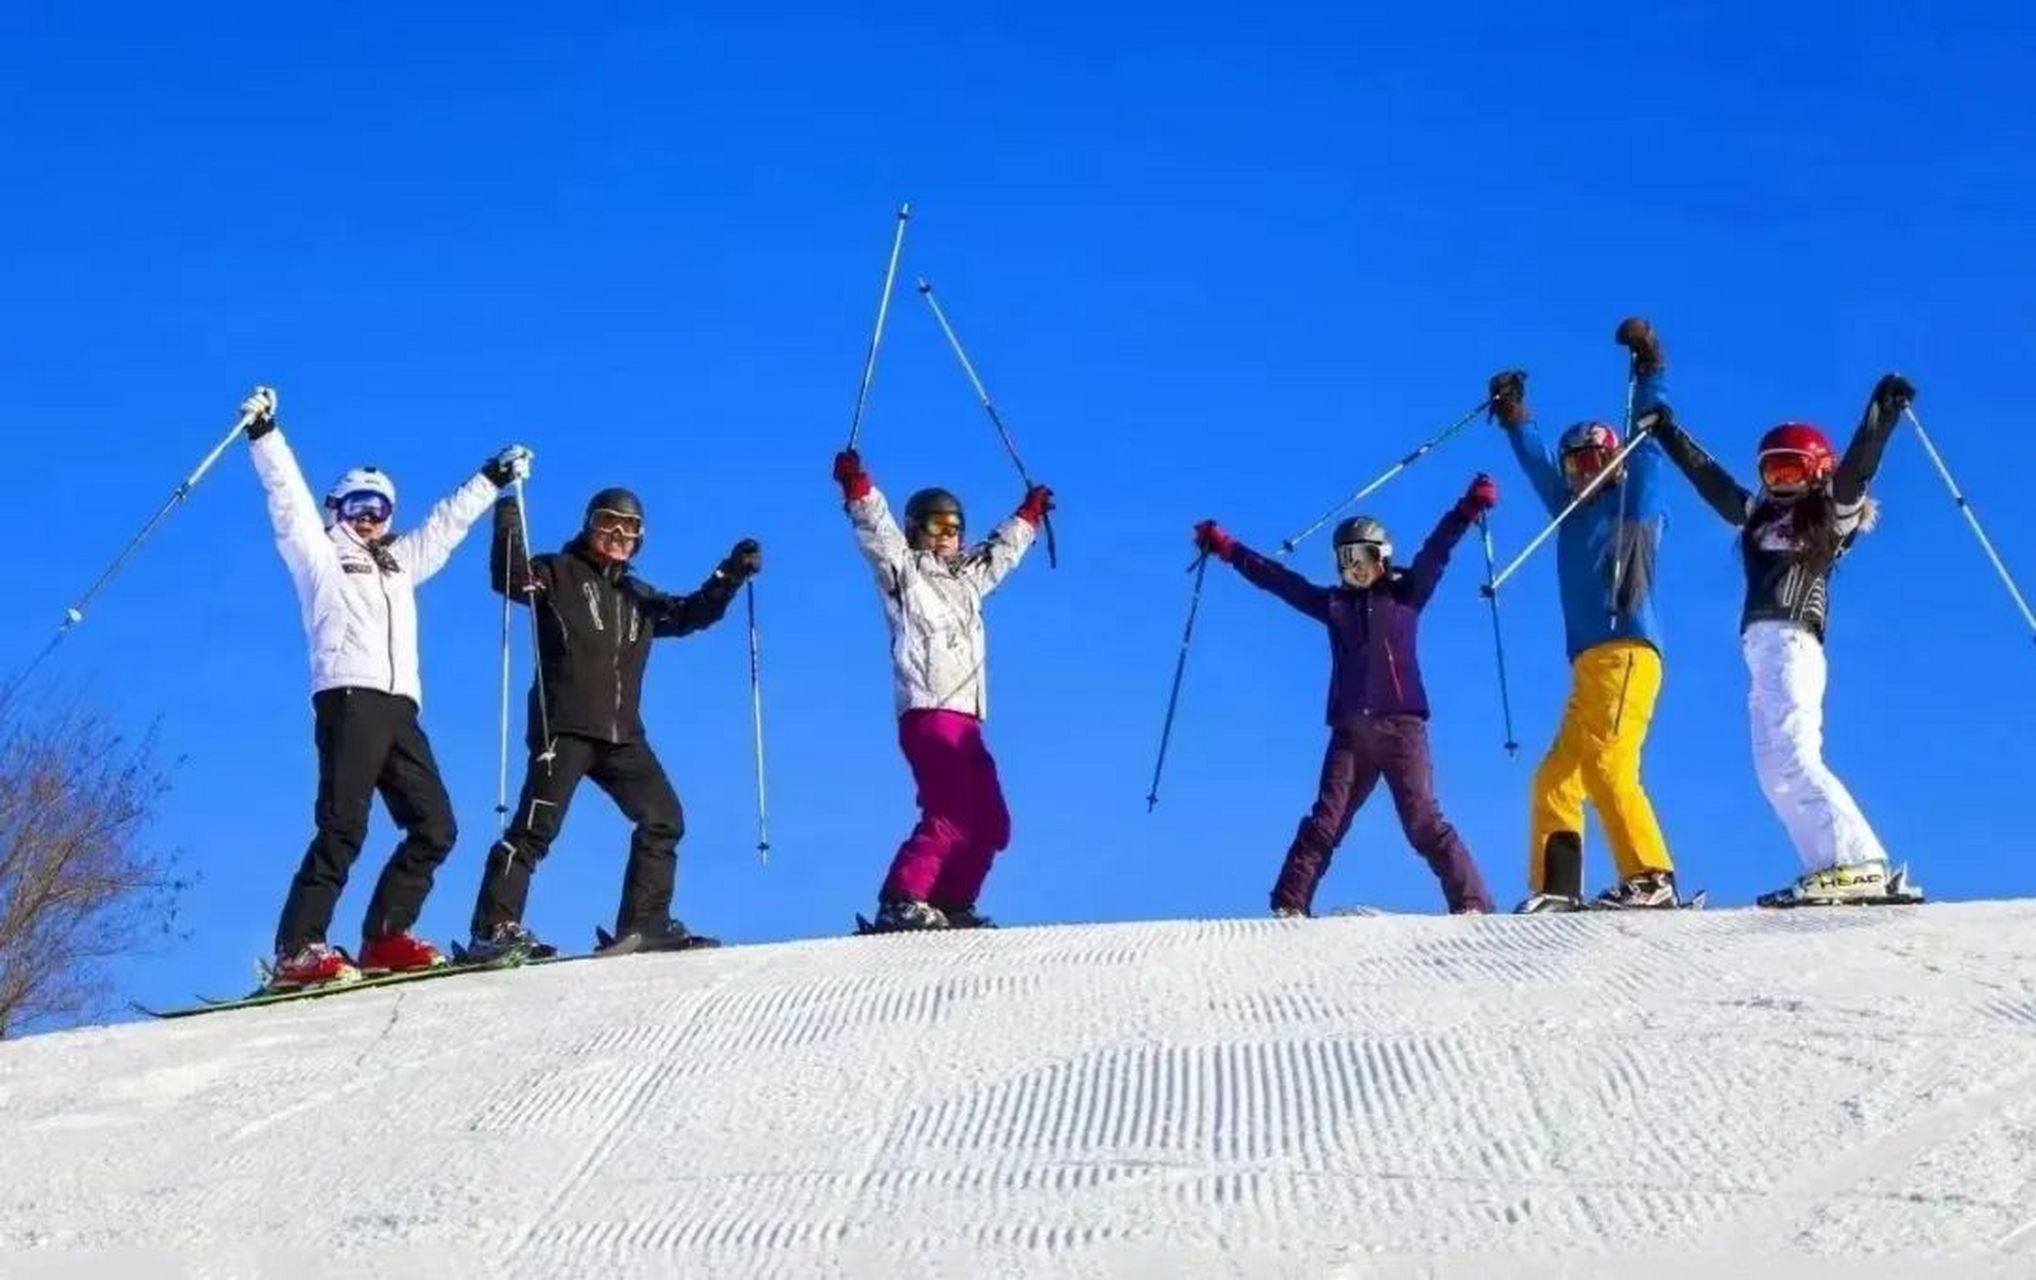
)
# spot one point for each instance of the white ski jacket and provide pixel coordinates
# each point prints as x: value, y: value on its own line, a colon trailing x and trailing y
x: 359, y: 602
x: 935, y: 609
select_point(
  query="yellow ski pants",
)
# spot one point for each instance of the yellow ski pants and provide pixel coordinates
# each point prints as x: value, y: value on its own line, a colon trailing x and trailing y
x: 1596, y: 756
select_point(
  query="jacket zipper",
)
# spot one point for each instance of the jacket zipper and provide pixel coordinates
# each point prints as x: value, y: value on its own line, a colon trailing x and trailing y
x: 616, y: 651
x: 388, y: 621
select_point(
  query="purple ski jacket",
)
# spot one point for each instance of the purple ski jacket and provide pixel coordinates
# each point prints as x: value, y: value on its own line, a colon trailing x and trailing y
x: 1373, y: 668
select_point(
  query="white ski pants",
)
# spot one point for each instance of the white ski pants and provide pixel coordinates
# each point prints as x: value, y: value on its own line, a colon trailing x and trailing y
x: 1786, y: 705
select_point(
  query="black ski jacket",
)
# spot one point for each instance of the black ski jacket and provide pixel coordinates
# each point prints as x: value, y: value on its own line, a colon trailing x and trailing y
x: 1784, y: 582
x: 595, y: 622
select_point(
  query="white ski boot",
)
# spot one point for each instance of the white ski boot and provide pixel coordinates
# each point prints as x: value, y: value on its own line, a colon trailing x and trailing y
x: 1863, y: 884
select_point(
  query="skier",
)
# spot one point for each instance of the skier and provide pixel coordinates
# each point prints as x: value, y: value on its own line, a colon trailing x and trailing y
x: 1809, y: 509
x: 933, y: 593
x: 596, y: 621
x: 1378, y: 706
x: 1605, y: 563
x: 356, y: 587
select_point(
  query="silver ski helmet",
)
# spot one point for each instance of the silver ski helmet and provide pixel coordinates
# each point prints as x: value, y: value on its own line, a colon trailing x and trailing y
x: 922, y: 506
x: 614, y: 511
x: 1361, y: 540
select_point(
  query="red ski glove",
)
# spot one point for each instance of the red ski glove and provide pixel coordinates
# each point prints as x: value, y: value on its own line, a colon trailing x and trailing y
x: 1210, y: 539
x: 1638, y: 336
x: 1482, y: 496
x: 848, y: 473
x: 1038, y: 501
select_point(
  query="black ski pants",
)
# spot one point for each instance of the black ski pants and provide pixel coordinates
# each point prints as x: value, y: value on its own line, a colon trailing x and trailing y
x: 631, y: 775
x: 368, y: 742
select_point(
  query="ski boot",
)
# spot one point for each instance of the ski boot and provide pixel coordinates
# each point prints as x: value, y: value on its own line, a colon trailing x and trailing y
x: 966, y: 917
x: 662, y: 935
x: 506, y: 944
x: 903, y: 915
x: 313, y: 965
x: 1861, y: 884
x: 1562, y: 876
x: 398, y: 953
x: 1650, y: 890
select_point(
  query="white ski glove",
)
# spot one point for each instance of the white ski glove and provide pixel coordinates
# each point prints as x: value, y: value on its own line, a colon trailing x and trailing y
x: 509, y: 466
x: 260, y: 411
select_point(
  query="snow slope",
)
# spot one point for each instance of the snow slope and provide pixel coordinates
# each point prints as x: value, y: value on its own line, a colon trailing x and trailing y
x: 1702, y: 1093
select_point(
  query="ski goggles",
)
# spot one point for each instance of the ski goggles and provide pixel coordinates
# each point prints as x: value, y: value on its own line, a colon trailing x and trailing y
x: 1786, y: 472
x: 1352, y: 554
x: 365, y: 504
x: 1585, y: 463
x: 616, y: 524
x: 941, y: 524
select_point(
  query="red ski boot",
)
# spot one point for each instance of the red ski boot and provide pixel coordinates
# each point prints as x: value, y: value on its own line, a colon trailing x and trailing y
x: 398, y: 953
x: 314, y: 965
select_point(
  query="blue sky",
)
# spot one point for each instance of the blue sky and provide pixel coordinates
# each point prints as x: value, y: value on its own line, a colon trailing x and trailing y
x: 1211, y: 261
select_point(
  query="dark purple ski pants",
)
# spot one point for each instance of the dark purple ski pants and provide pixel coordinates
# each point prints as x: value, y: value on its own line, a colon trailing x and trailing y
x: 1361, y: 752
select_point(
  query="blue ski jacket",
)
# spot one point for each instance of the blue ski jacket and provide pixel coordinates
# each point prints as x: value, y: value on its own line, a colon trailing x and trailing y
x: 1617, y: 534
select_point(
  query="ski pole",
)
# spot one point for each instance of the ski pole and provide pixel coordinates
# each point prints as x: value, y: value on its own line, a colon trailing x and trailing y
x: 1287, y: 547
x: 1180, y: 667
x: 502, y: 771
x: 869, y: 364
x: 1492, y: 588
x: 549, y: 753
x: 983, y: 394
x: 763, y: 836
x: 76, y: 613
x: 1498, y: 638
x: 1619, y: 529
x: 1965, y: 508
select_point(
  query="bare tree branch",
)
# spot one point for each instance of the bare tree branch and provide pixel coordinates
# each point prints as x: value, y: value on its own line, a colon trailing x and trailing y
x: 77, y: 887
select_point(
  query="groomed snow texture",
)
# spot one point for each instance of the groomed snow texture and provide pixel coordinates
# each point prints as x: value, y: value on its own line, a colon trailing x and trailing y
x: 1721, y: 1093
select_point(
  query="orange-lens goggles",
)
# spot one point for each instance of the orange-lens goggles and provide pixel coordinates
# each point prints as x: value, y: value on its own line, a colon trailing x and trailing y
x: 1582, y: 464
x: 618, y: 524
x: 1786, y: 471
x: 941, y: 524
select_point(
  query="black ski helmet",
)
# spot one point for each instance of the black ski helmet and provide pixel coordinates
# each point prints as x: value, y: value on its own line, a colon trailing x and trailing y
x: 928, y: 502
x: 1363, y: 531
x: 620, y: 501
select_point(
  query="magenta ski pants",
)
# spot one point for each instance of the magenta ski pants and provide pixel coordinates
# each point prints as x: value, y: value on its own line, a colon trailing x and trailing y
x: 963, y: 823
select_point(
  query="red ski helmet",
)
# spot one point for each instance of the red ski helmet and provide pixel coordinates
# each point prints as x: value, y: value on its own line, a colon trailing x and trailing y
x: 1586, y: 449
x: 1795, y: 456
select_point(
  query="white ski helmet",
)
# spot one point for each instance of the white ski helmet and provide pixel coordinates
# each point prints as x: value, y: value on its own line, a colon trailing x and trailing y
x: 360, y: 480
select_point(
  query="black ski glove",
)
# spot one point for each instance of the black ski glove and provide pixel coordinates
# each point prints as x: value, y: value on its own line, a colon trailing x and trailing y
x: 261, y: 410
x: 1639, y: 337
x: 744, y: 562
x: 1893, y: 393
x: 1509, y: 397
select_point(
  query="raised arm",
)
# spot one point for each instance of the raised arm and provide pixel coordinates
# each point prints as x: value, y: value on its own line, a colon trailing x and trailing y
x: 424, y: 550
x: 1651, y: 410
x: 989, y: 561
x: 1891, y: 396
x: 1510, y: 411
x: 1262, y: 573
x: 876, y: 532
x: 673, y: 616
x: 1425, y: 573
x: 293, y: 512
